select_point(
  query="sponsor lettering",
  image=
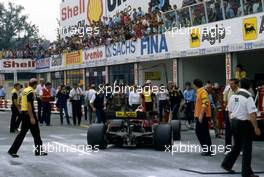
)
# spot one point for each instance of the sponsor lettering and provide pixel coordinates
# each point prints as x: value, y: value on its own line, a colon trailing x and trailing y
x: 19, y: 64
x: 121, y: 48
x: 70, y: 12
x: 261, y: 28
x: 93, y: 55
x: 112, y: 4
x: 213, y: 35
x: 154, y: 44
x: 73, y: 58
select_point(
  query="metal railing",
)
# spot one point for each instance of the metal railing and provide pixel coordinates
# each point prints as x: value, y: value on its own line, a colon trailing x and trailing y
x: 210, y: 11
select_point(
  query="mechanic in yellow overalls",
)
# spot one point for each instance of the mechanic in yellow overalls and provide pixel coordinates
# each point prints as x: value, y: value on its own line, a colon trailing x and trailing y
x: 29, y: 121
x: 15, y: 108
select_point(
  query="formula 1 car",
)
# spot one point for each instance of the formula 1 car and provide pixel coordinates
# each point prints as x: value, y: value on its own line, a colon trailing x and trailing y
x: 133, y: 129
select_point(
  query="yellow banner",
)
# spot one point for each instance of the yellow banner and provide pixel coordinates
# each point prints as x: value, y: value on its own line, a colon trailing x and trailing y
x: 155, y: 75
x: 250, y: 29
x: 195, y: 38
x: 73, y: 58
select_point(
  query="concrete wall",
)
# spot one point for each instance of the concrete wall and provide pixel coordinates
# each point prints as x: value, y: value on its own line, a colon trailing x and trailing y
x: 206, y: 68
x: 152, y: 66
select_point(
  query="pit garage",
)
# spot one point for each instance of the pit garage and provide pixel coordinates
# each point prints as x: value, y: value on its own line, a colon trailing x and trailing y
x: 253, y: 63
x: 207, y: 68
x: 159, y: 72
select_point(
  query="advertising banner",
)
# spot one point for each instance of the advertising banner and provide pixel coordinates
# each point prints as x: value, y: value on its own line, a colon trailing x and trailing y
x: 153, y: 75
x: 18, y: 65
x: 56, y: 62
x: 122, y: 51
x: 73, y: 58
x: 42, y: 63
x: 79, y: 13
x: 95, y: 56
x: 228, y: 67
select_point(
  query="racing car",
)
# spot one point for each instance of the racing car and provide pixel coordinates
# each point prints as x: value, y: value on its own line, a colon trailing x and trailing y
x: 133, y: 129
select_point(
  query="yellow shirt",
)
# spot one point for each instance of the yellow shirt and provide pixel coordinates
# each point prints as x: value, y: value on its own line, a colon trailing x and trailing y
x: 15, y: 100
x: 241, y: 75
x: 1, y: 55
x: 24, y: 98
x: 147, y: 97
x: 202, y: 101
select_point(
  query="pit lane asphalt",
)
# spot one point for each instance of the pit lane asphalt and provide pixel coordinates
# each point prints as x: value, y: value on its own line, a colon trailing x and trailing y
x: 113, y: 162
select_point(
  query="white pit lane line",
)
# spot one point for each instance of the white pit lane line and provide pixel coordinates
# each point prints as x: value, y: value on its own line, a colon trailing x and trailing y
x: 57, y: 137
x: 70, y: 149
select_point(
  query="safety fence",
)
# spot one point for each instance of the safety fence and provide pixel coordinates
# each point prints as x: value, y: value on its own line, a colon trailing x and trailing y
x: 5, y: 105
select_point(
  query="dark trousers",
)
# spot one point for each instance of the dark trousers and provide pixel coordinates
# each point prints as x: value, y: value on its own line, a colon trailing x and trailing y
x: 90, y: 113
x: 243, y: 135
x: 202, y: 132
x: 76, y: 111
x: 189, y: 112
x: 34, y: 129
x: 175, y: 109
x: 162, y: 107
x: 100, y: 115
x: 15, y: 119
x: 134, y: 106
x: 39, y: 110
x: 149, y: 106
x: 46, y: 113
x: 228, y: 131
x: 63, y: 107
x: 85, y: 112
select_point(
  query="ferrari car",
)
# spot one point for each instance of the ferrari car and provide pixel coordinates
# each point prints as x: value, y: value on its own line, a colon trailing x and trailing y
x: 134, y: 129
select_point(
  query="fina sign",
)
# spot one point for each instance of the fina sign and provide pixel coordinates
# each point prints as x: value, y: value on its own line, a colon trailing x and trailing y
x: 154, y: 44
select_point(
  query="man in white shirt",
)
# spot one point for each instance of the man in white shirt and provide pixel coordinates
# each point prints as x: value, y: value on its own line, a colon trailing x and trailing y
x: 134, y: 98
x: 75, y: 97
x: 88, y: 96
x: 163, y: 97
x: 243, y: 112
x: 39, y: 88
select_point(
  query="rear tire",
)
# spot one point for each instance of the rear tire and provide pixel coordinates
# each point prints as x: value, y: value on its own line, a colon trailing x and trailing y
x: 96, y: 136
x: 162, y: 137
x: 176, y: 128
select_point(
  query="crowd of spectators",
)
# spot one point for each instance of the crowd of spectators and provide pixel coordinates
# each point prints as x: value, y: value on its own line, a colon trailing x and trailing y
x: 35, y: 49
x: 137, y: 24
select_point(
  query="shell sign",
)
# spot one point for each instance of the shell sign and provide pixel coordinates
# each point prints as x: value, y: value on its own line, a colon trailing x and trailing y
x: 94, y: 10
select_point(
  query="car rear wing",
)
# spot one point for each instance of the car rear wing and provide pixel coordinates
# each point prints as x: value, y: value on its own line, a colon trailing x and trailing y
x: 125, y: 115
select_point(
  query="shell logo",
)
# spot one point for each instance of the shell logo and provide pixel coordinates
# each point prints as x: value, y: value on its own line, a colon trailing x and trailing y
x: 94, y: 10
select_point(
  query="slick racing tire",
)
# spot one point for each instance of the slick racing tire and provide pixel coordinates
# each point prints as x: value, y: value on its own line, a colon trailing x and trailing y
x: 96, y: 136
x: 163, y: 137
x: 176, y: 128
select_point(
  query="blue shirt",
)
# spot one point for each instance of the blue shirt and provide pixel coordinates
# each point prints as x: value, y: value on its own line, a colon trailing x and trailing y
x: 211, y: 100
x: 2, y: 92
x: 189, y: 95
